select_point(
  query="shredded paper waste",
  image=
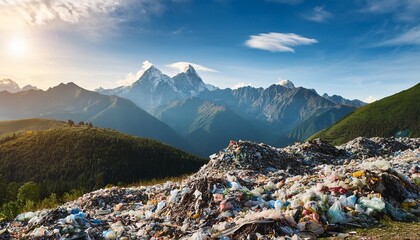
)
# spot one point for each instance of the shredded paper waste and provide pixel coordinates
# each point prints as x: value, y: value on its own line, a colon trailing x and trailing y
x: 250, y: 191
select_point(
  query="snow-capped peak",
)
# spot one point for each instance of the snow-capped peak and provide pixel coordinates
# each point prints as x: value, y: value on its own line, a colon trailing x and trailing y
x: 153, y: 77
x: 188, y: 67
x: 146, y: 65
x: 191, y: 70
x: 286, y: 84
x: 7, y: 82
x: 152, y: 71
x: 9, y: 85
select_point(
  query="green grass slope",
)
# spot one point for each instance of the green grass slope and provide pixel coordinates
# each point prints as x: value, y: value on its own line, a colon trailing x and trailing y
x: 397, y: 115
x: 8, y: 128
x: 82, y: 157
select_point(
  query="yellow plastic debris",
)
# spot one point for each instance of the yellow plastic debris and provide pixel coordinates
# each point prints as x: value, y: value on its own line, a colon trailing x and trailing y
x: 359, y: 173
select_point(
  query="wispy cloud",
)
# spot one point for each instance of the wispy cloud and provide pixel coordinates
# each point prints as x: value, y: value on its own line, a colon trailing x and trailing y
x: 92, y: 17
x: 40, y: 12
x: 403, y: 10
x: 181, y: 66
x: 278, y: 42
x: 318, y: 14
x: 132, y: 77
x: 410, y: 37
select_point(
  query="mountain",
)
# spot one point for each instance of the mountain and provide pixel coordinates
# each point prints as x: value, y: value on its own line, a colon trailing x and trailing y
x: 67, y: 158
x: 189, y: 83
x: 12, y: 87
x: 69, y: 101
x: 154, y: 89
x: 322, y: 119
x: 191, y: 107
x: 286, y: 84
x: 205, y: 125
x: 29, y: 87
x: 8, y: 128
x: 396, y: 115
x: 340, y: 100
x: 282, y: 108
x: 9, y: 85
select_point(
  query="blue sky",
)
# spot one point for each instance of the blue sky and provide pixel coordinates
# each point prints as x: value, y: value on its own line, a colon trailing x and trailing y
x: 356, y: 48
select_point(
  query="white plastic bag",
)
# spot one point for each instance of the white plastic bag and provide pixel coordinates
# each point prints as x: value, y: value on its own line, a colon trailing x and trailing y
x: 336, y: 214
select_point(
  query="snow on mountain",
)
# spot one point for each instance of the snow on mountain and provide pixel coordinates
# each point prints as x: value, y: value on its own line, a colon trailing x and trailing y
x: 9, y: 85
x: 189, y: 83
x: 153, y: 88
x: 153, y: 77
x: 211, y: 87
x: 286, y: 84
x: 12, y: 87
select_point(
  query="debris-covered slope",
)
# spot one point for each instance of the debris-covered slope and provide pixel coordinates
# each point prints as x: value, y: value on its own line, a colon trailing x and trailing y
x: 250, y: 191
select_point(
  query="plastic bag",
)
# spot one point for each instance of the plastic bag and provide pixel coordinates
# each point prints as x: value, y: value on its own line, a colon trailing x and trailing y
x: 296, y: 203
x: 278, y: 205
x: 234, y: 186
x: 351, y: 201
x: 359, y: 208
x: 197, y: 194
x: 374, y: 203
x: 199, y: 236
x: 383, y: 165
x: 336, y: 214
x: 160, y: 205
x: 174, y: 196
x: 109, y: 234
x: 343, y: 200
x: 311, y: 206
x: 226, y: 205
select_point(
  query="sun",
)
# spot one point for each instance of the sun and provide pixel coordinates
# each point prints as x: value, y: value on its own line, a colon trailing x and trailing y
x: 17, y: 47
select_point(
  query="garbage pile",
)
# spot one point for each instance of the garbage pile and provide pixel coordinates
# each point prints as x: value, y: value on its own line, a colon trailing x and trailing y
x: 250, y: 191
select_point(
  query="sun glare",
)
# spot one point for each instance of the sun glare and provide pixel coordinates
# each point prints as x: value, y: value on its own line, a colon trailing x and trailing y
x: 17, y: 47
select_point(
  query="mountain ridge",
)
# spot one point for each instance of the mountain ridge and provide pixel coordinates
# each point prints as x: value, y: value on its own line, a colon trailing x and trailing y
x: 69, y: 101
x: 271, y: 112
x: 12, y: 87
x: 395, y: 115
x: 154, y: 88
x: 73, y: 157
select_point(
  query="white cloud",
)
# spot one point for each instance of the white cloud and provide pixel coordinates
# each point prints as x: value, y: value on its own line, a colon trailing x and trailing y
x: 132, y: 77
x: 181, y: 66
x: 40, y: 12
x: 241, y: 84
x: 318, y: 14
x: 94, y: 18
x: 410, y: 37
x: 278, y: 42
x: 370, y: 99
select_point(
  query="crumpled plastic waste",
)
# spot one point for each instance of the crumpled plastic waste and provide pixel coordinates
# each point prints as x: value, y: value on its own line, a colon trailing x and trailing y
x: 336, y: 214
x: 249, y: 191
